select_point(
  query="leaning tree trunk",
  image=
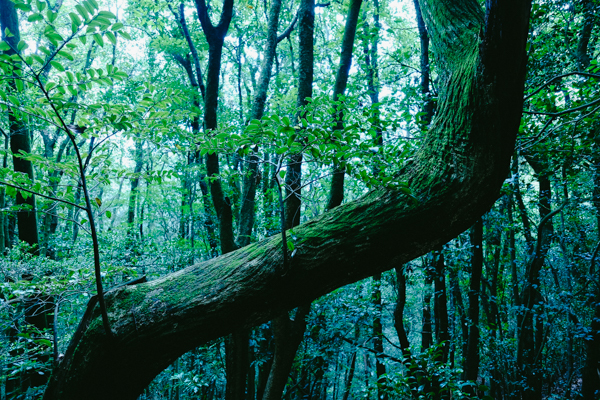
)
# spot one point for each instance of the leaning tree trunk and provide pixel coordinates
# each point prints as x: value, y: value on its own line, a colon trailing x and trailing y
x: 454, y: 178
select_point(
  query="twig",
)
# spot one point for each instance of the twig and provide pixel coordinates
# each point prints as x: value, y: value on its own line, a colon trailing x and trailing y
x: 557, y: 78
x: 42, y: 195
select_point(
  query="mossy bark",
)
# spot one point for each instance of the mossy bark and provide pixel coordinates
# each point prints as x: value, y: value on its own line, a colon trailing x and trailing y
x: 455, y: 177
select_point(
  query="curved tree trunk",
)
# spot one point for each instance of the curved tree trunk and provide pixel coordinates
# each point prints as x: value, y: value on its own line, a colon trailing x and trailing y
x: 455, y: 177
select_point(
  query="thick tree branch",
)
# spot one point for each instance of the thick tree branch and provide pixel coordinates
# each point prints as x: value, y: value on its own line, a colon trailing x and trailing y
x: 286, y: 34
x: 456, y: 177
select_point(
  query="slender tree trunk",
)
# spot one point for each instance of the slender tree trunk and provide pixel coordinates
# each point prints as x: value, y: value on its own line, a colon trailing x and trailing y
x: 472, y: 355
x: 428, y: 104
x: 336, y: 194
x: 530, y: 322
x: 289, y: 341
x: 399, y: 313
x: 19, y: 137
x: 350, y: 377
x: 237, y: 345
x: 459, y: 309
x: 591, y: 379
x: 3, y: 215
x: 380, y: 370
x: 247, y: 213
x: 215, y: 35
x: 427, y: 329
x: 440, y: 306
x: 134, y: 192
x: 287, y: 335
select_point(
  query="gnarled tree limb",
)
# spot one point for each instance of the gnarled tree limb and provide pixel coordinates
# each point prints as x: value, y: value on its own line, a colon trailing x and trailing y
x: 456, y: 177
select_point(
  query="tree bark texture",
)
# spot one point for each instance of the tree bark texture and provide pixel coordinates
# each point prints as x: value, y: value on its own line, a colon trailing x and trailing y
x: 380, y: 371
x: 440, y: 306
x: 287, y: 335
x: 293, y: 177
x: 455, y: 177
x: 428, y: 105
x: 215, y: 36
x: 336, y: 194
x: 247, y: 212
x: 472, y: 356
x: 530, y: 322
x: 19, y: 136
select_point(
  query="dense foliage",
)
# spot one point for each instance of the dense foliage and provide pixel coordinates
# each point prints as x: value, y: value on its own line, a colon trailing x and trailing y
x: 102, y: 118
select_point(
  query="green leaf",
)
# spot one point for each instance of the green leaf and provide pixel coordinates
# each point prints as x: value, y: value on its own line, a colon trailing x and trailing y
x: 98, y: 39
x: 125, y: 35
x: 93, y: 3
x: 51, y: 16
x: 107, y: 14
x: 57, y: 65
x: 44, y: 342
x: 108, y: 214
x: 88, y: 7
x: 19, y: 85
x: 116, y: 26
x: 66, y: 55
x: 4, y: 46
x: 75, y: 19
x: 23, y: 6
x: 35, y: 17
x: 41, y: 6
x: 111, y: 37
x: 54, y: 38
x: 290, y: 245
x: 83, y: 39
x: 14, y: 100
x: 70, y: 76
x: 22, y: 45
x: 37, y: 58
x: 104, y: 22
x: 82, y: 11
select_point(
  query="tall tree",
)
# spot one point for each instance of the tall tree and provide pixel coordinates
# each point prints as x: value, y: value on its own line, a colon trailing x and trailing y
x: 454, y: 178
x: 19, y: 134
x: 215, y: 36
x: 237, y: 343
x: 288, y: 334
x: 472, y: 357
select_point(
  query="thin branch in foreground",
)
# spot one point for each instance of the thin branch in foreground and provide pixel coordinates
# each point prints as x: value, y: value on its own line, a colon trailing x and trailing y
x: 42, y: 195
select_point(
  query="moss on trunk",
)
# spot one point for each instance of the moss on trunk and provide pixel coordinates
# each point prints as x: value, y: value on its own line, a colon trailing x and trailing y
x: 456, y: 177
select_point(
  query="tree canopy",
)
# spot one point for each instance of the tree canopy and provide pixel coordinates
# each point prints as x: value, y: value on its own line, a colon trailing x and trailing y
x: 275, y: 153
